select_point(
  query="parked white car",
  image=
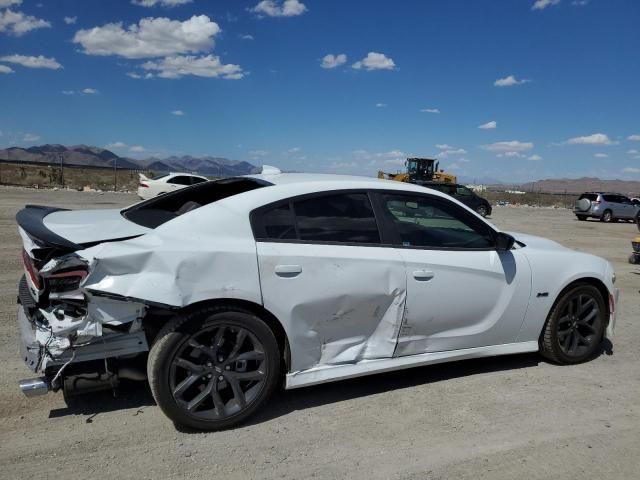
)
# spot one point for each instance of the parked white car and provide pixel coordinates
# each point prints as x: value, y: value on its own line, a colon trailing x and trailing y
x: 165, y: 183
x: 228, y: 288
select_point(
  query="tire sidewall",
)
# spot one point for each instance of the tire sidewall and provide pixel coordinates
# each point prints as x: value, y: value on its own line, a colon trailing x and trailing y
x: 607, y: 216
x: 555, y: 317
x: 169, y: 342
x: 482, y: 211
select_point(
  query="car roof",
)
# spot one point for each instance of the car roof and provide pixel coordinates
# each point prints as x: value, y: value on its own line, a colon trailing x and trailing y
x: 330, y: 181
x: 188, y: 174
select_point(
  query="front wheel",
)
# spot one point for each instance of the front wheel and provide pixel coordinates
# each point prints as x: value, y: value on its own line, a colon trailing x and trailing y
x: 575, y: 325
x: 606, y: 216
x: 213, y: 368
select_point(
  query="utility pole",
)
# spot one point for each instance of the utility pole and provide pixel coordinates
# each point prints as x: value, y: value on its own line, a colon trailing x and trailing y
x: 115, y: 174
x: 61, y: 170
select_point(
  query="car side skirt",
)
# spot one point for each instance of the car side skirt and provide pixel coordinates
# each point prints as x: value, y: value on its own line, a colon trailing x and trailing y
x: 330, y: 373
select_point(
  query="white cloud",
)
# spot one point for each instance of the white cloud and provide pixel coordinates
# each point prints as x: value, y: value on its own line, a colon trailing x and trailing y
x: 451, y: 151
x: 634, y: 138
x: 512, y: 154
x: 633, y: 151
x: 534, y: 157
x: 542, y: 4
x: 593, y: 139
x: 509, y: 146
x: 68, y: 92
x: 601, y: 155
x: 115, y: 145
x: 70, y: 20
x: 246, y: 37
x: 151, y: 37
x: 294, y: 150
x: 579, y: 3
x: 206, y: 66
x: 381, y: 105
x: 273, y: 8
x: 136, y: 149
x: 32, y: 62
x: 430, y: 110
x: 30, y: 137
x: 164, y: 3
x: 137, y: 76
x: 333, y: 61
x: 444, y: 146
x: 631, y: 170
x: 178, y: 113
x: 375, y: 61
x: 89, y: 91
x: 489, y: 125
x: 8, y: 3
x: 5, y: 69
x: 17, y: 23
x: 509, y: 81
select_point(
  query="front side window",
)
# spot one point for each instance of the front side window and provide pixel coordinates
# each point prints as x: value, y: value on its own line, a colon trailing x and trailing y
x: 463, y: 191
x: 420, y: 221
x: 344, y: 217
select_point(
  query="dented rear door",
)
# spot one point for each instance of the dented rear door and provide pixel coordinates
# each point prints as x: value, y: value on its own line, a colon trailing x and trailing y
x: 323, y: 272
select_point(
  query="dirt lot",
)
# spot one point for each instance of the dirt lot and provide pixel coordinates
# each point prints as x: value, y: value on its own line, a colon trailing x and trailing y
x: 504, y: 418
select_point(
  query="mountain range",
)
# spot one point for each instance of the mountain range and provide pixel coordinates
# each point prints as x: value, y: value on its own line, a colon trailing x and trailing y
x: 89, y: 156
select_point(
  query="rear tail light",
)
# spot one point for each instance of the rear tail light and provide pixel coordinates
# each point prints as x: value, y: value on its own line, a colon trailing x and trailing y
x: 143, y: 185
x: 31, y: 269
x: 596, y: 202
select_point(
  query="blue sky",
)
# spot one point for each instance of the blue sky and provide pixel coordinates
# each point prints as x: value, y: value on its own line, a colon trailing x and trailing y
x: 332, y: 85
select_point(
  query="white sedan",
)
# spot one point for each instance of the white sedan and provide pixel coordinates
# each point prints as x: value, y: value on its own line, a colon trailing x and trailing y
x: 165, y: 183
x: 227, y: 289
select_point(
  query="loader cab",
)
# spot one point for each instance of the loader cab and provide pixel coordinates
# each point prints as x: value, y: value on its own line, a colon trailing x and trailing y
x: 421, y: 169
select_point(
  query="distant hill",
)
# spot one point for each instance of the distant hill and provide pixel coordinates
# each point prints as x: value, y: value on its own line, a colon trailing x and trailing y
x: 89, y: 156
x: 578, y: 185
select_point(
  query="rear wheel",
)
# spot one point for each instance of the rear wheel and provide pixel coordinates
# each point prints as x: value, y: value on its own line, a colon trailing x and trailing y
x: 582, y: 218
x: 633, y: 259
x: 482, y: 210
x: 607, y: 216
x: 575, y: 326
x: 213, y: 368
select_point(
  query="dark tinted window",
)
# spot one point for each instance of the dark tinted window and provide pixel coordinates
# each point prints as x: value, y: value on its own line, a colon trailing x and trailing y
x: 277, y: 223
x: 589, y: 196
x: 463, y: 191
x: 195, y: 180
x: 346, y: 217
x: 427, y: 222
x: 161, y: 209
x: 180, y: 180
x: 611, y: 198
x: 444, y: 188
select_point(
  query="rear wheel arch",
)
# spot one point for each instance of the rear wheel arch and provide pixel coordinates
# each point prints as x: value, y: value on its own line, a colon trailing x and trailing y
x: 232, y: 304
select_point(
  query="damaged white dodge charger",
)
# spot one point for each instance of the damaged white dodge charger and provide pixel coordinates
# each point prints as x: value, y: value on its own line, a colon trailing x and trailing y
x: 219, y: 292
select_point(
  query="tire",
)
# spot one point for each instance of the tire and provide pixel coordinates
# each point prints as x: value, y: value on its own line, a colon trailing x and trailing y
x: 584, y: 204
x: 564, y: 330
x: 606, y: 217
x: 633, y: 259
x: 582, y: 218
x: 212, y: 341
x: 482, y: 210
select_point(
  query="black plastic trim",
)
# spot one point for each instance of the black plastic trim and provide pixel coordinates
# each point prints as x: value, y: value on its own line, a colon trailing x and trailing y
x: 31, y: 220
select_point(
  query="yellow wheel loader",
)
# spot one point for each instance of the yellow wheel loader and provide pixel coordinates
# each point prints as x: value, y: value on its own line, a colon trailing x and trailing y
x: 420, y: 171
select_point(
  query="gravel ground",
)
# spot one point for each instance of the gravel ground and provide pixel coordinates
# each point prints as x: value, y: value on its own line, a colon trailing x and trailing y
x: 499, y: 418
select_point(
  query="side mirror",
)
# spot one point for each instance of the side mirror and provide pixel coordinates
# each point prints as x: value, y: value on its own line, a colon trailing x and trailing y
x: 504, y: 242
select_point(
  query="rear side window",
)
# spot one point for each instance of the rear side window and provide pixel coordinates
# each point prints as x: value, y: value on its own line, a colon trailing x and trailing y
x: 180, y: 180
x: 195, y: 180
x: 342, y: 218
x: 346, y: 218
x: 589, y: 196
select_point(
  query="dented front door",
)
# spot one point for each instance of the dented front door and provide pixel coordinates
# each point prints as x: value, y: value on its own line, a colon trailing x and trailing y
x: 339, y: 303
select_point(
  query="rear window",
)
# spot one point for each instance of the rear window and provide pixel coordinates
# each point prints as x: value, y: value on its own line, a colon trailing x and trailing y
x: 158, y: 210
x: 589, y: 196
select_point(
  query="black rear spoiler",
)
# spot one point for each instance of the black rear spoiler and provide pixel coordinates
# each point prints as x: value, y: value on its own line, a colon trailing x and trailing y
x: 30, y: 219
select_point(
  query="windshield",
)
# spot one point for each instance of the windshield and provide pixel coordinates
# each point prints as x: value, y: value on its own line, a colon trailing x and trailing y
x: 158, y: 210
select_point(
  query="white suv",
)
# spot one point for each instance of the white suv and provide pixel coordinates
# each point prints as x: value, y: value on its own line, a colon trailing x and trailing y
x: 168, y: 182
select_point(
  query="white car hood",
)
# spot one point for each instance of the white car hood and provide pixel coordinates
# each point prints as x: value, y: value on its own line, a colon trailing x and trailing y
x: 88, y: 226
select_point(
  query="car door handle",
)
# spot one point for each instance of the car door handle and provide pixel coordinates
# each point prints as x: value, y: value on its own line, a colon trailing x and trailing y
x: 288, y: 271
x: 423, y: 275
